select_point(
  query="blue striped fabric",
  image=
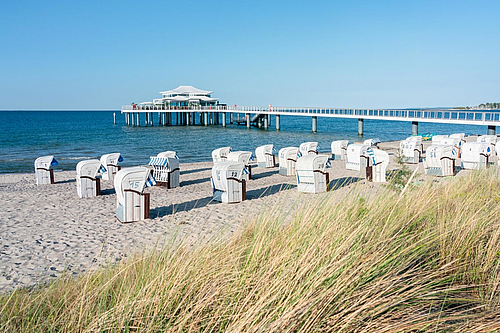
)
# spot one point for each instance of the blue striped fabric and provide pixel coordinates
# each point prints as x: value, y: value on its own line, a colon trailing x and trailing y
x: 371, y: 154
x: 328, y: 164
x: 54, y: 162
x: 102, y: 169
x: 158, y: 161
x: 246, y: 171
x: 150, y: 181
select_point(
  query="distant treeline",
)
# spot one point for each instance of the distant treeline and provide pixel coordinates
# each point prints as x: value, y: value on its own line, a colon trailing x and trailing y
x: 486, y: 106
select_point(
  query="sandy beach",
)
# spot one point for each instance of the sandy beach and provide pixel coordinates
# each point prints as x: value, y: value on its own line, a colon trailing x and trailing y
x: 47, y: 230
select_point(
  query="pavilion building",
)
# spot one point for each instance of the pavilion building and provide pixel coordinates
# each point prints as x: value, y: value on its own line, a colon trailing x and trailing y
x: 185, y: 96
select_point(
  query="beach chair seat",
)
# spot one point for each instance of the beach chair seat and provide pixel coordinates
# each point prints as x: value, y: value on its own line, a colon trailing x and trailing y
x: 376, y: 165
x: 132, y: 203
x: 265, y: 156
x: 475, y: 155
x: 111, y: 164
x: 356, y: 157
x: 311, y: 173
x: 228, y: 182
x: 44, y: 174
x: 287, y: 159
x: 411, y: 149
x: 339, y: 148
x: 307, y: 148
x: 220, y: 154
x: 244, y: 157
x: 165, y: 169
x: 88, y: 178
x: 440, y: 160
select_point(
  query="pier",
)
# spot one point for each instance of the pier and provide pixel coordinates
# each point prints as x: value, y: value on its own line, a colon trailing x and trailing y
x: 261, y: 116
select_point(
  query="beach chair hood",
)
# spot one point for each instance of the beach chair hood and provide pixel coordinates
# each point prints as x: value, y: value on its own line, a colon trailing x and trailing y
x: 90, y: 168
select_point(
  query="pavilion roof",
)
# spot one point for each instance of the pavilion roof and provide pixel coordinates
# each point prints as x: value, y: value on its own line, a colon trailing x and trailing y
x: 186, y: 90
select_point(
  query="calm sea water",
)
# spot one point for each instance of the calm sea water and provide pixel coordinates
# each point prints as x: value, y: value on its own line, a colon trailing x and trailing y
x: 72, y: 136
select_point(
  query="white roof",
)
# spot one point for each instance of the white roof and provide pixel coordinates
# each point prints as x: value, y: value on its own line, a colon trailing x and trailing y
x: 186, y: 90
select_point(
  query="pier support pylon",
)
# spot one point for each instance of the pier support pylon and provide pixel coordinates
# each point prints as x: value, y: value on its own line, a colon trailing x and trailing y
x: 360, y: 126
x: 492, y: 130
x: 414, y: 128
x: 277, y: 122
x: 314, y: 124
x: 223, y: 119
x: 247, y: 116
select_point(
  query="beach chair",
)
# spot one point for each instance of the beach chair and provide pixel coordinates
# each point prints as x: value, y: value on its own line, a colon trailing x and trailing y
x: 132, y: 204
x: 88, y: 174
x: 44, y: 174
x: 288, y: 158
x: 110, y: 163
x: 307, y: 148
x: 376, y: 164
x: 228, y: 182
x: 311, y: 174
x: 168, y: 153
x: 244, y: 157
x: 355, y: 158
x: 373, y: 143
x: 220, y: 154
x: 165, y: 169
x: 411, y: 149
x: 440, y: 160
x: 475, y: 155
x: 492, y: 140
x: 439, y: 139
x: 339, y: 149
x: 265, y: 156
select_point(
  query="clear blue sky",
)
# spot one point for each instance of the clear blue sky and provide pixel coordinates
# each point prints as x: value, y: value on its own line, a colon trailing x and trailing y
x: 352, y: 54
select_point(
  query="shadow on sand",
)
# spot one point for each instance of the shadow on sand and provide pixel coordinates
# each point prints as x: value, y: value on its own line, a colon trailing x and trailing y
x: 185, y: 172
x: 336, y: 184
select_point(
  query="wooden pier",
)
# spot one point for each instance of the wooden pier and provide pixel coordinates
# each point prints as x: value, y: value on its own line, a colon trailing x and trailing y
x: 261, y: 116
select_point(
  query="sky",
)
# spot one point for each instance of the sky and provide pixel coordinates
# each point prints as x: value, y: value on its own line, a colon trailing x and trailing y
x: 342, y: 54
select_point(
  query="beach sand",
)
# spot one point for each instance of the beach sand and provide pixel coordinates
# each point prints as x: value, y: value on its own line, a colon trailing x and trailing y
x: 47, y: 230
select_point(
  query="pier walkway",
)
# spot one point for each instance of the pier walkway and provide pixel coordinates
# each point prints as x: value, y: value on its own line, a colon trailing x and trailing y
x: 257, y: 116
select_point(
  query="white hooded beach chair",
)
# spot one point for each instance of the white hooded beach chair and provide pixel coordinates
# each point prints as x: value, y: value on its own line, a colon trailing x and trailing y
x: 438, y: 139
x: 265, y: 156
x: 220, y: 154
x: 288, y: 158
x: 376, y: 165
x: 228, y: 182
x: 339, y: 149
x: 88, y: 174
x: 475, y: 155
x: 355, y: 158
x: 244, y: 157
x: 311, y: 174
x: 307, y: 148
x: 110, y: 163
x: 411, y: 149
x: 373, y: 143
x: 440, y: 160
x: 492, y: 140
x: 43, y: 170
x: 166, y: 169
x: 132, y: 204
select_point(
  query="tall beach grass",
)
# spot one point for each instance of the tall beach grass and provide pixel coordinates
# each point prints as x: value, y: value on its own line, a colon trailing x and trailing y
x: 424, y: 261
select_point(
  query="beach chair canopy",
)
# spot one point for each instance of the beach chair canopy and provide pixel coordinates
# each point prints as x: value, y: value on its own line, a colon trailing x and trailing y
x: 306, y: 148
x: 262, y: 151
x: 240, y: 156
x: 224, y: 171
x: 472, y: 151
x: 168, y: 153
x: 288, y: 153
x: 90, y: 168
x: 312, y: 163
x: 135, y: 178
x: 111, y: 159
x: 355, y: 151
x: 220, y: 154
x: 438, y: 139
x: 436, y: 152
x: 339, y: 146
x: 372, y: 142
x: 487, y: 138
x: 460, y: 136
x: 45, y: 162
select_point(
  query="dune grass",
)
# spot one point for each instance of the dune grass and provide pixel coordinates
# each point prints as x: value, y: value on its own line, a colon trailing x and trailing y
x: 425, y: 261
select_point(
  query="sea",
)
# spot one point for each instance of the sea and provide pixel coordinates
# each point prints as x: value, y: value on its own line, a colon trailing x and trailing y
x: 72, y: 136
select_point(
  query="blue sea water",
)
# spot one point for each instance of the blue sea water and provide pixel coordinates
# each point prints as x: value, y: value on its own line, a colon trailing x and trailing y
x: 72, y: 136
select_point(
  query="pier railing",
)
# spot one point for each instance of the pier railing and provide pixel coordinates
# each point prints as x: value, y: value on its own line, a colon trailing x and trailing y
x: 472, y: 116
